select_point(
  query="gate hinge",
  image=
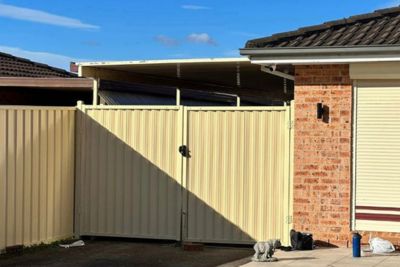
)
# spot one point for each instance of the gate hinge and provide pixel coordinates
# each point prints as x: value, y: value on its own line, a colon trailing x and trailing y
x: 289, y: 219
x: 290, y: 124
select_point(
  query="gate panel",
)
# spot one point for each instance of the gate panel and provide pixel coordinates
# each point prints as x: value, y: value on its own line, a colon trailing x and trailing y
x: 238, y: 174
x: 129, y: 172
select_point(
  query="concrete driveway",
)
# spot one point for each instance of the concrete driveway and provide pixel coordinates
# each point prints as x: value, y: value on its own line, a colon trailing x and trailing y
x: 332, y: 257
x: 126, y: 253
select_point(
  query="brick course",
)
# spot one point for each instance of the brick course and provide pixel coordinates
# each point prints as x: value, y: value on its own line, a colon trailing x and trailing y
x: 322, y: 167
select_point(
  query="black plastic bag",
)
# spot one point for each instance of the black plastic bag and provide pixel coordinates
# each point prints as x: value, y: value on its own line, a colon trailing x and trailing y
x: 301, y: 241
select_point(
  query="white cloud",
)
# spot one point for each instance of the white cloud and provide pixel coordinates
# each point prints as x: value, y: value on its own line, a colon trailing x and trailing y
x: 194, y: 7
x: 201, y: 38
x: 39, y: 16
x: 165, y: 40
x: 54, y: 60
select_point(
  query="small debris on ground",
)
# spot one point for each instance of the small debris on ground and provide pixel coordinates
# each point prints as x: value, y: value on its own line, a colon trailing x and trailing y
x: 78, y: 243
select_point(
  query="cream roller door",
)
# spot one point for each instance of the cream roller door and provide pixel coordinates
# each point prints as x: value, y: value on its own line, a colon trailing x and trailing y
x: 377, y: 156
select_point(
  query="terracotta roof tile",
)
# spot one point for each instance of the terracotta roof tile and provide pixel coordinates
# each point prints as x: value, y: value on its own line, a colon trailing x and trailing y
x: 21, y: 67
x: 381, y: 27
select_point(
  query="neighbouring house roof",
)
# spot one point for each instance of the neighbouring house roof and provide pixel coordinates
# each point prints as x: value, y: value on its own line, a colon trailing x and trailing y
x: 24, y: 82
x: 378, y: 28
x: 12, y: 66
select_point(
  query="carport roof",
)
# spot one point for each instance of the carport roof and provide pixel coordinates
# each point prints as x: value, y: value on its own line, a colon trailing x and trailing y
x: 379, y: 28
x: 204, y: 71
x: 164, y: 61
x: 169, y: 67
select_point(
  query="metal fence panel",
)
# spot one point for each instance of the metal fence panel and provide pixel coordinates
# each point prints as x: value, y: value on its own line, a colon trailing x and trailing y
x: 36, y: 174
x: 238, y: 181
x: 129, y: 171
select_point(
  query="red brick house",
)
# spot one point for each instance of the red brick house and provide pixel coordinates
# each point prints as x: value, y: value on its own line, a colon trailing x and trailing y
x: 347, y: 162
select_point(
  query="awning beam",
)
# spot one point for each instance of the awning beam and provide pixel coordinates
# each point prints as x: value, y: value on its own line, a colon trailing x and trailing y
x: 48, y: 83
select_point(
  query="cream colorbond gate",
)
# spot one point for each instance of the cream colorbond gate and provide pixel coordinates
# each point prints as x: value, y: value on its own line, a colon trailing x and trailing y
x: 238, y: 174
x: 129, y: 172
x: 232, y: 186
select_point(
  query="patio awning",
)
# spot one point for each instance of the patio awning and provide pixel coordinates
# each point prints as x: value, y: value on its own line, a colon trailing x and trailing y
x: 229, y: 75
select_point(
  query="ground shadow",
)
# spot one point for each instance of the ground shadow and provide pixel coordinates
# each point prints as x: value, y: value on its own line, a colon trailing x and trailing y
x: 323, y: 244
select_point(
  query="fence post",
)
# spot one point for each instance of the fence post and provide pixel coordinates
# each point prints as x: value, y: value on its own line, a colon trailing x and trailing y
x: 291, y: 162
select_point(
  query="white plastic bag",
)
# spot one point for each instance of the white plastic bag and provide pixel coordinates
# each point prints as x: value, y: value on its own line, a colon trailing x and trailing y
x: 78, y: 243
x: 379, y: 245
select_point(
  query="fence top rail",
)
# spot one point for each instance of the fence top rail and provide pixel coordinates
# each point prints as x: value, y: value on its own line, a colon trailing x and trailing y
x: 248, y: 108
x: 35, y: 108
x: 127, y: 107
x: 191, y: 108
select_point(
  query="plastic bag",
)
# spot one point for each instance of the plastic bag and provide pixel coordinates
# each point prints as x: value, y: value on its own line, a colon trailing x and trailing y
x: 379, y: 245
x: 78, y: 243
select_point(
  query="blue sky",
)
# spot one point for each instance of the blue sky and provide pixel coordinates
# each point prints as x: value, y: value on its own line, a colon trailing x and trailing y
x: 56, y: 32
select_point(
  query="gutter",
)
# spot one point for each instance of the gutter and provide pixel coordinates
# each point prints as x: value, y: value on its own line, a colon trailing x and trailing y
x: 265, y: 56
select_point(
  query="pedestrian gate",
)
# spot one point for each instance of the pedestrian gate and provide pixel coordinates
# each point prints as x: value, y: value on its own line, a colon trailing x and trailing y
x: 203, y: 174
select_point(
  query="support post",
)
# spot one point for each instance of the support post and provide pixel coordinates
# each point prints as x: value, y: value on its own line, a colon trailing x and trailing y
x: 95, y: 91
x: 79, y: 104
x: 178, y: 97
x: 238, y: 81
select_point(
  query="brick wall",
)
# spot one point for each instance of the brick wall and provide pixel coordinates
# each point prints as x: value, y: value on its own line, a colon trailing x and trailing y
x: 322, y: 171
x: 322, y: 178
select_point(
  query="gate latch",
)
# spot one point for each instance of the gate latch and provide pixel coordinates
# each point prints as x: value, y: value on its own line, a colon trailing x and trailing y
x: 184, y: 151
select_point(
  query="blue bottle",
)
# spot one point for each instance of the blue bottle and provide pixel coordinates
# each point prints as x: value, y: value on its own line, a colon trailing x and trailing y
x: 356, y: 245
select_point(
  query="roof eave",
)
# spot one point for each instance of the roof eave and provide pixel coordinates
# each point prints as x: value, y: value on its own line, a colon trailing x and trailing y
x: 162, y: 61
x: 322, y: 55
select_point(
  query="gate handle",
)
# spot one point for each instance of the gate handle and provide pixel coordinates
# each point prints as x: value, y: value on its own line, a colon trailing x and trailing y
x: 184, y: 151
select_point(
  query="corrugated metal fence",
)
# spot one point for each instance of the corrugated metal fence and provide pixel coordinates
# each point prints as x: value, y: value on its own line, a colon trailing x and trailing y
x: 36, y: 174
x: 238, y: 174
x: 129, y: 172
x: 131, y: 181
x: 234, y: 187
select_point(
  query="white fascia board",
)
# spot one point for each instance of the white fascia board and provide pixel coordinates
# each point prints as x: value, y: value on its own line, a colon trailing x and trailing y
x: 163, y: 61
x: 324, y: 60
x: 325, y: 55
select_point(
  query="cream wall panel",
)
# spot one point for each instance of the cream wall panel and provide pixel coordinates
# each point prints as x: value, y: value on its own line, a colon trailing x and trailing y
x: 375, y: 70
x: 238, y: 174
x: 129, y: 172
x: 36, y: 174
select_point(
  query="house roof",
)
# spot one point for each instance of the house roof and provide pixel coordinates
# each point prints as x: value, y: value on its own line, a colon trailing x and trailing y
x: 12, y: 66
x: 379, y: 28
